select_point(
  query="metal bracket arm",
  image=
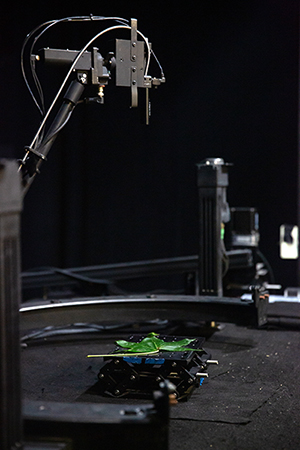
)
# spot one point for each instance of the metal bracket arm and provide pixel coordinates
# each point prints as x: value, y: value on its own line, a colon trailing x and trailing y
x: 133, y: 57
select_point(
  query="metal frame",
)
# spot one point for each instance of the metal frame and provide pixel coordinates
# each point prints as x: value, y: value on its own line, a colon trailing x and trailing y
x: 51, y: 277
x: 79, y: 426
x: 252, y: 311
x: 10, y: 294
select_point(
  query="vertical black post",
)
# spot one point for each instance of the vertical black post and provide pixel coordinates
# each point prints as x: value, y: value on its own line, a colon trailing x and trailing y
x: 10, y: 293
x: 212, y: 180
x: 298, y: 174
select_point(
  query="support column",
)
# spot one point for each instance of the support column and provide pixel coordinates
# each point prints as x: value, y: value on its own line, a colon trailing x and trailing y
x: 212, y: 180
x: 10, y: 294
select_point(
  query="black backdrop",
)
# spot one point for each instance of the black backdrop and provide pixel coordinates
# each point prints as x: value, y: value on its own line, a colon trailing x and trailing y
x: 115, y: 190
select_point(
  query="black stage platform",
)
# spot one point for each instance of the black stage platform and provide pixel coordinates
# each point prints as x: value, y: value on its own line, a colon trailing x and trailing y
x: 249, y: 401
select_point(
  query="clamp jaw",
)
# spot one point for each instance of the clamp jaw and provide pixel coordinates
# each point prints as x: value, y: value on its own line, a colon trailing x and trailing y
x: 131, y: 67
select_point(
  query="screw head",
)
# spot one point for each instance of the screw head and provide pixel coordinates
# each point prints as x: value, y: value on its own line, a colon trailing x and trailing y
x: 83, y: 78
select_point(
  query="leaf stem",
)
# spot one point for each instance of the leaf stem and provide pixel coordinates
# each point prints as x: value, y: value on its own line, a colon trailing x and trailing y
x: 124, y: 354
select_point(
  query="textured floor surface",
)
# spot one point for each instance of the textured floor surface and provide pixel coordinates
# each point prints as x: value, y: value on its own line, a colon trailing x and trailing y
x: 249, y: 401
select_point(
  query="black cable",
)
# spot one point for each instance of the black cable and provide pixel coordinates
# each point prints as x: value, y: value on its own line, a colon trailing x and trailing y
x: 112, y: 287
x: 82, y: 278
x: 268, y: 266
x: 79, y: 328
x: 22, y: 62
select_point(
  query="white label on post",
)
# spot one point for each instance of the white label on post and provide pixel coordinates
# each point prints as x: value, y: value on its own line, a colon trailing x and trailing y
x: 289, y: 242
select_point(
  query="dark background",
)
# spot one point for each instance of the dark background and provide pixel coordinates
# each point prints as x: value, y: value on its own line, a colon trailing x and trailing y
x: 115, y: 190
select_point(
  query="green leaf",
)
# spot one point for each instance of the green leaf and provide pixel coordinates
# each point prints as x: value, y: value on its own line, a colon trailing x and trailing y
x: 149, y: 345
x: 152, y: 342
x: 146, y: 345
x: 125, y: 344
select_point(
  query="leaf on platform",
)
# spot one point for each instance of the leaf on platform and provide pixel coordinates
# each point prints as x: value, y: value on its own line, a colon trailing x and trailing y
x: 150, y: 345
